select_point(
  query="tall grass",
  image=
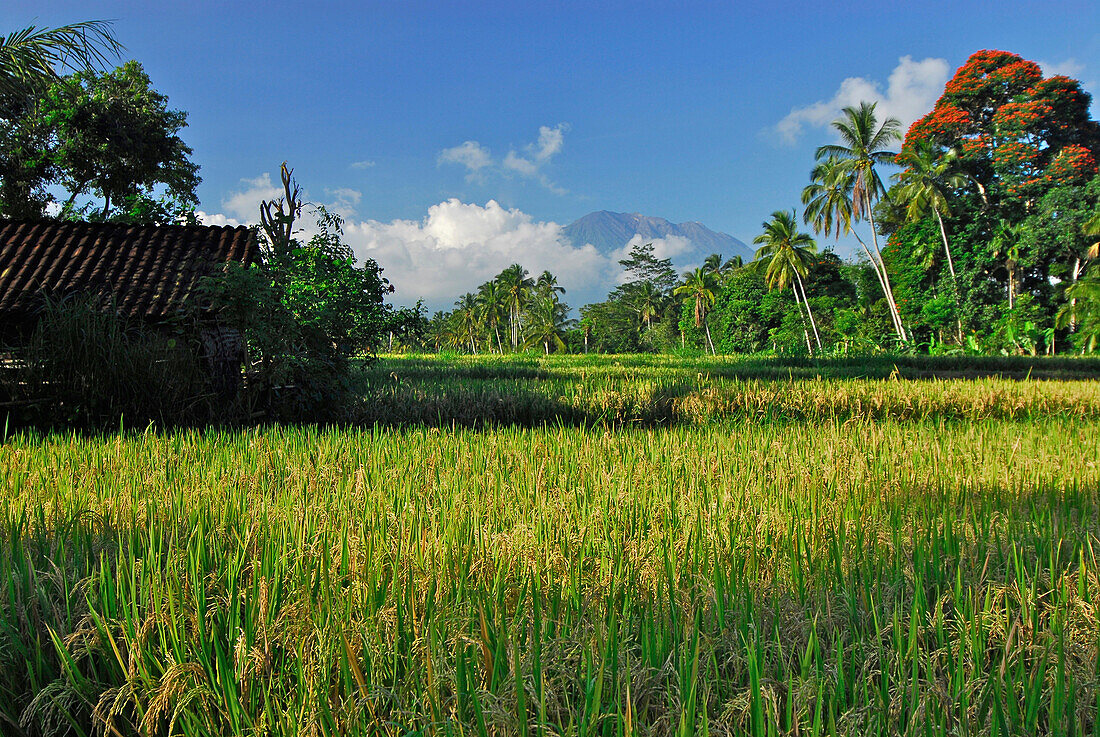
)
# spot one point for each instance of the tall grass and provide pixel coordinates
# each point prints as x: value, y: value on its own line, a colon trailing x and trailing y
x: 855, y: 577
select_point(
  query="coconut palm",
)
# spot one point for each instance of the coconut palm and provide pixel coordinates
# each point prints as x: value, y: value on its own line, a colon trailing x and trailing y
x: 785, y: 254
x: 547, y: 284
x: 1082, y: 312
x: 697, y: 291
x: 546, y: 321
x: 828, y: 202
x: 647, y: 300
x: 466, y: 306
x: 862, y: 148
x: 926, y: 184
x: 491, y: 308
x: 516, y: 285
x: 715, y: 265
x: 32, y: 56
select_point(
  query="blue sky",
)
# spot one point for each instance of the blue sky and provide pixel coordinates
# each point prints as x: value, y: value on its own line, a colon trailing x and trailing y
x: 411, y: 117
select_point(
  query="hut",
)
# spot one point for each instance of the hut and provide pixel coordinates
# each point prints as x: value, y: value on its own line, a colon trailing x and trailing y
x: 148, y: 274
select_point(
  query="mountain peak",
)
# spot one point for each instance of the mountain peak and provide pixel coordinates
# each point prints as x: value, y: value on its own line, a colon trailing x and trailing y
x: 609, y: 231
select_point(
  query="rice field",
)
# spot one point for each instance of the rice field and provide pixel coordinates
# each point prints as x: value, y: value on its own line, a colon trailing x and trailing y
x: 762, y: 551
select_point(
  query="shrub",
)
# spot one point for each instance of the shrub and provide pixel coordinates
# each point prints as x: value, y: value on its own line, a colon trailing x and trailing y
x: 90, y: 368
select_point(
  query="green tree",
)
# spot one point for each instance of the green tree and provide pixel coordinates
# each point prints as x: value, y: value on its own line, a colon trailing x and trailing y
x: 863, y: 147
x: 546, y: 322
x: 698, y: 290
x: 926, y: 185
x: 1082, y: 311
x: 785, y: 254
x: 547, y: 284
x: 492, y: 305
x: 466, y: 308
x: 517, y: 286
x: 648, y: 301
x: 115, y: 137
x: 641, y: 265
x: 829, y: 210
x: 337, y: 305
x: 721, y: 269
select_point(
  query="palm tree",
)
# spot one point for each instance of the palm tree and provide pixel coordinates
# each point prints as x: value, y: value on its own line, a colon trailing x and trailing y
x: 698, y: 291
x: 647, y: 301
x: 862, y: 147
x: 786, y: 255
x: 547, y: 284
x: 715, y: 265
x: 516, y: 285
x: 1006, y: 242
x: 828, y: 201
x: 1082, y: 312
x: 32, y: 56
x: 546, y: 322
x: 490, y: 302
x: 926, y: 184
x: 466, y: 307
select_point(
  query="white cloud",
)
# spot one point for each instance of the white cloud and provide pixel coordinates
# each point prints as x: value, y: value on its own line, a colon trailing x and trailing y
x: 244, y: 205
x: 911, y: 90
x: 538, y: 154
x: 469, y: 154
x: 216, y: 219
x: 344, y: 200
x: 459, y: 246
x: 528, y: 163
x: 1067, y: 68
x: 365, y: 164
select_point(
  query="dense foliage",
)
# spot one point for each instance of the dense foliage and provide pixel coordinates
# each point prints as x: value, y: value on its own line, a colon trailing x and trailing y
x: 106, y: 139
x: 1003, y: 173
x: 305, y: 310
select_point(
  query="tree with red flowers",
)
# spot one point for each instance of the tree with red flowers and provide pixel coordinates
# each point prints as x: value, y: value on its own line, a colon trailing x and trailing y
x: 1027, y: 150
x: 1016, y: 133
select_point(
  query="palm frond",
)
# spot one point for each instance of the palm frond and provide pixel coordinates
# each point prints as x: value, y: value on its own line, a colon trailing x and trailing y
x: 32, y: 55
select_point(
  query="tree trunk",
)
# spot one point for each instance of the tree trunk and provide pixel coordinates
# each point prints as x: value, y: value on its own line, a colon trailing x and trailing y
x: 894, y: 316
x: 886, y: 276
x: 1073, y: 301
x: 76, y: 193
x: 954, y: 278
x: 805, y: 334
x: 805, y: 299
x: 496, y: 331
x: 706, y: 325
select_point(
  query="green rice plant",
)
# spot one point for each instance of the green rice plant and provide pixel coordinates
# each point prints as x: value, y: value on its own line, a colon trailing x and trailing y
x: 909, y: 575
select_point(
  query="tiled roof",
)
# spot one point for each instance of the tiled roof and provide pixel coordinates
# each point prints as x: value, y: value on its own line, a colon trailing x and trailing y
x: 150, y: 271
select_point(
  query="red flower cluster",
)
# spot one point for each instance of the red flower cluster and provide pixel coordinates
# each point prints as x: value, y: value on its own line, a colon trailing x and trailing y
x: 973, y: 148
x: 1025, y: 131
x: 1074, y: 163
x: 945, y: 122
x: 993, y: 71
x: 1021, y: 117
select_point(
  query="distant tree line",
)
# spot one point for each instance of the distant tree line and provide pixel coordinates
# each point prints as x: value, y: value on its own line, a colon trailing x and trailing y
x: 985, y: 240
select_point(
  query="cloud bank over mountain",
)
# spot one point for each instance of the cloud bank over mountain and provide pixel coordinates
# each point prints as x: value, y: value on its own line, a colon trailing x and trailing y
x: 457, y: 246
